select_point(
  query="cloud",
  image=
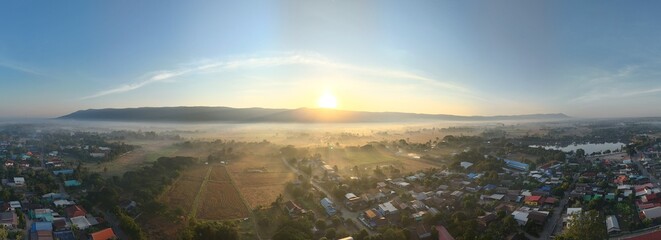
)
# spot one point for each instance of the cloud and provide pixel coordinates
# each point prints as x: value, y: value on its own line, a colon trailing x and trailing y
x: 19, y: 67
x: 608, y: 84
x: 305, y: 59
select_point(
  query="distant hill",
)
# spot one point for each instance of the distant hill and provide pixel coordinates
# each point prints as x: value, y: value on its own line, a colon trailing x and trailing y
x: 264, y: 115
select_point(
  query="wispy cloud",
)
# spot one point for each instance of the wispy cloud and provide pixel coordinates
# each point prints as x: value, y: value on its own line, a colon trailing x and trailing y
x: 623, y: 82
x: 306, y: 59
x: 19, y: 67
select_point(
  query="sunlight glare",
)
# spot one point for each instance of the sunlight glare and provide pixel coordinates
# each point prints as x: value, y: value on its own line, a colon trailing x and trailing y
x: 327, y: 100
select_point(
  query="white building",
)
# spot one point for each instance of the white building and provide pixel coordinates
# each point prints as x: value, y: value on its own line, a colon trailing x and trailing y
x: 611, y: 224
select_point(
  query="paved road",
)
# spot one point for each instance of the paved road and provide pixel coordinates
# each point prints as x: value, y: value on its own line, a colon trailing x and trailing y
x: 344, y: 213
x: 636, y: 159
x: 554, y: 225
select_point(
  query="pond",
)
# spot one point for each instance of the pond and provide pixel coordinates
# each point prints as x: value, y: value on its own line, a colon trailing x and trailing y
x: 588, y: 147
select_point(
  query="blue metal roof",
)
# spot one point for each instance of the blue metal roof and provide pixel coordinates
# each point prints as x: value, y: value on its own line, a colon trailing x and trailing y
x: 41, y: 226
x: 63, y: 171
x: 490, y: 187
x: 517, y: 164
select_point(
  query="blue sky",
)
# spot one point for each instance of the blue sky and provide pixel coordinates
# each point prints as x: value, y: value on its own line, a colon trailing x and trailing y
x: 585, y: 59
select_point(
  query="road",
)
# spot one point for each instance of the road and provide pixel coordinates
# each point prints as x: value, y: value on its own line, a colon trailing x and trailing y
x: 636, y: 159
x: 551, y: 226
x: 344, y: 213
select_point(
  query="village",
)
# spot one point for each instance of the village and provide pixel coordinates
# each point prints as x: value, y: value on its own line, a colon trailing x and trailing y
x: 484, y: 190
x: 614, y: 194
x: 43, y: 196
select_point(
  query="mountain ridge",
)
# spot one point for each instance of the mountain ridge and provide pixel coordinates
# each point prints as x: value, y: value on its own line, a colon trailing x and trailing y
x: 276, y: 115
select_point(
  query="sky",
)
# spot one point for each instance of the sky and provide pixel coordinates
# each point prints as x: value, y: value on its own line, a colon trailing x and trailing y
x: 582, y: 58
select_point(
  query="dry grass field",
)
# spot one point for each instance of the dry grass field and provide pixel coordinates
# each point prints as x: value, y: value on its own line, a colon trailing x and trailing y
x: 260, y: 188
x: 182, y: 194
x: 347, y: 158
x: 219, y: 174
x: 221, y: 200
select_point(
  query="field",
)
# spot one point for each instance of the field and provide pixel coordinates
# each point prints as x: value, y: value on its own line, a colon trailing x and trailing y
x: 147, y: 152
x: 206, y: 192
x: 221, y: 200
x: 182, y: 193
x: 260, y: 187
x: 219, y: 174
x: 347, y: 158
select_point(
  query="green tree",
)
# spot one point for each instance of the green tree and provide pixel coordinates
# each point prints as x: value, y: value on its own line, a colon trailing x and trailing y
x: 330, y: 233
x: 320, y: 224
x: 363, y: 234
x: 393, y: 234
x: 3, y: 233
x: 214, y: 230
x: 585, y: 225
x: 294, y: 230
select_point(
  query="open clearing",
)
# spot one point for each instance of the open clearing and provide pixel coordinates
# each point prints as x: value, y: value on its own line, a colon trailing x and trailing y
x: 215, y: 197
x: 182, y: 193
x: 221, y: 200
x: 260, y: 179
x: 347, y: 158
x: 147, y: 152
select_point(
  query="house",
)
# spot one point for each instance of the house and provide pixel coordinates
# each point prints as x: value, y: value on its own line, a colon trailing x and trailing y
x: 521, y: 217
x: 104, y: 234
x: 52, y: 196
x: 128, y: 205
x: 45, y: 215
x: 13, y: 205
x: 64, y: 235
x: 570, y: 212
x: 652, y: 213
x: 465, y: 165
x: 486, y: 219
x: 8, y: 219
x: 81, y: 222
x: 612, y: 225
x: 72, y: 183
x: 550, y: 200
x: 489, y: 187
x: 516, y: 165
x: 41, y: 235
x: 387, y: 208
x: 374, y: 219
x: 75, y: 211
x: 328, y: 206
x: 538, y: 217
x: 533, y: 200
x: 19, y: 181
x: 352, y: 201
x: 63, y: 203
x: 41, y: 231
x: 443, y: 233
x: 493, y: 197
x: 63, y: 172
x: 293, y: 209
x: 60, y: 223
x: 422, y: 231
x: 328, y: 169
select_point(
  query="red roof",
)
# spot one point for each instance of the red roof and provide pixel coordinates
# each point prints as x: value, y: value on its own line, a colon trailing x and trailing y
x: 75, y: 211
x: 443, y: 233
x: 104, y: 234
x: 550, y: 200
x: 650, y: 236
x: 533, y: 198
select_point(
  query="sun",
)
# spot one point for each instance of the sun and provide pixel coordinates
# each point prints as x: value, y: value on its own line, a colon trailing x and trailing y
x: 327, y: 100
